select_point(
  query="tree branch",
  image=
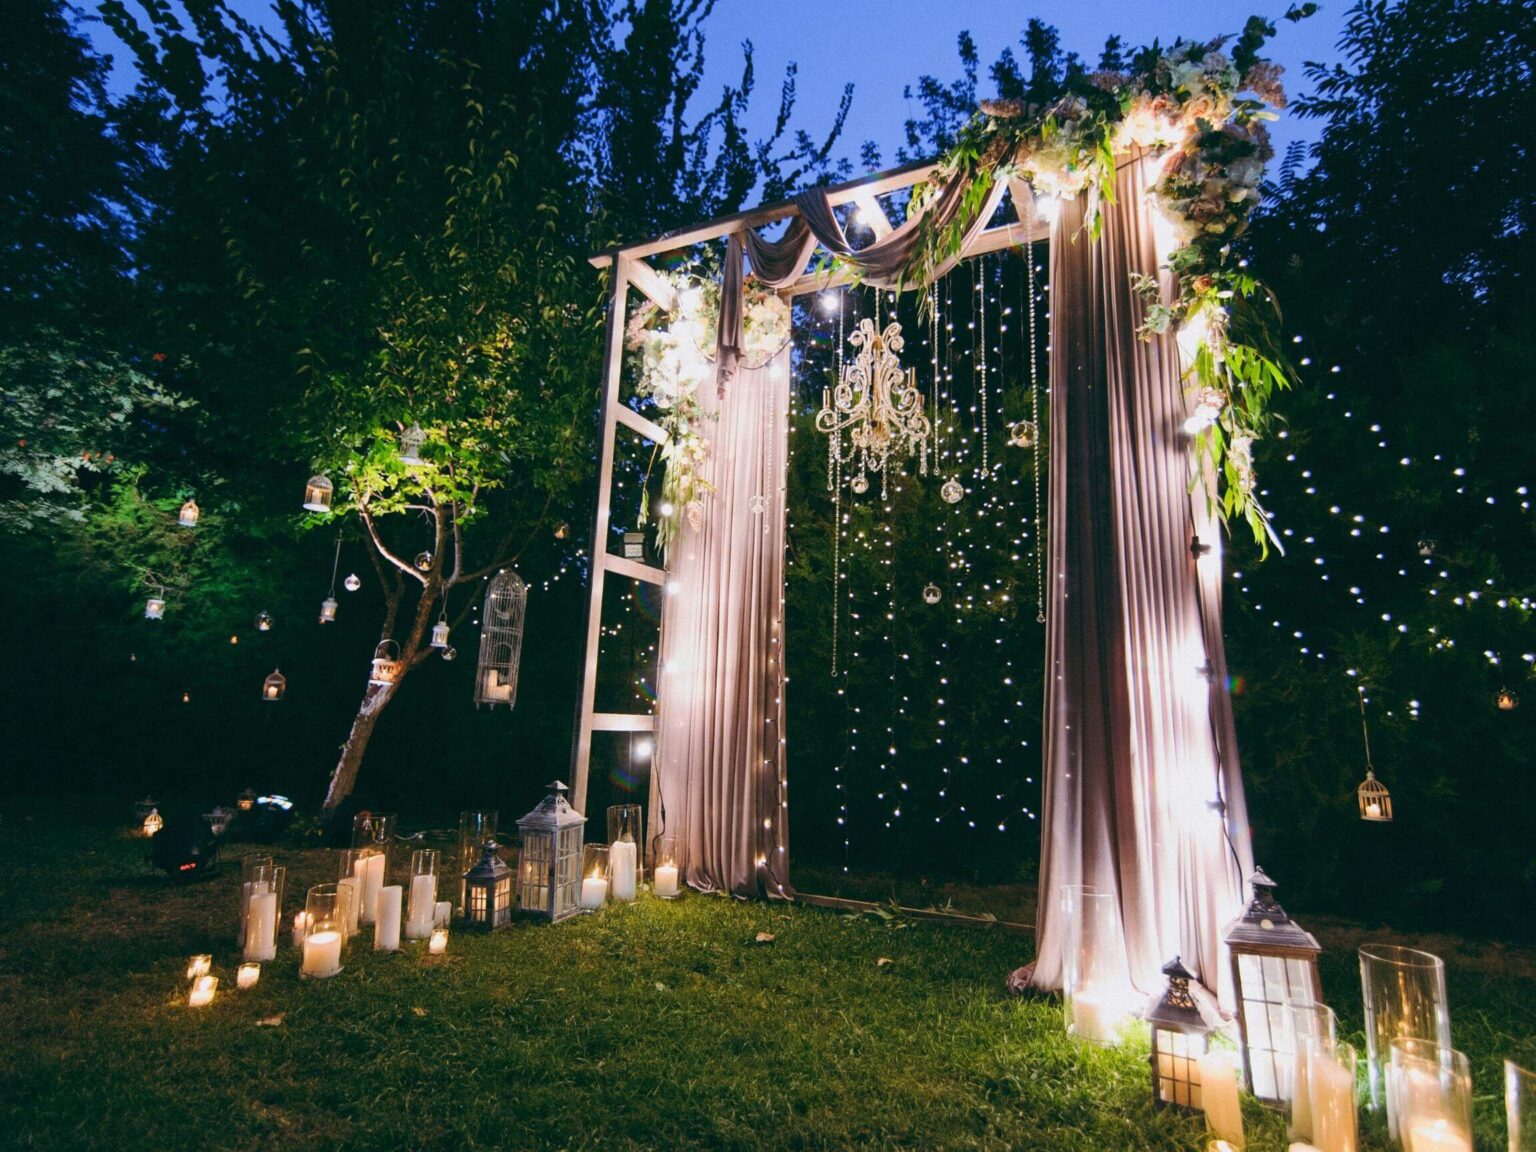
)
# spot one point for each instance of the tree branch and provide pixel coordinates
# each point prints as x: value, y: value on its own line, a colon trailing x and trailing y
x: 378, y: 543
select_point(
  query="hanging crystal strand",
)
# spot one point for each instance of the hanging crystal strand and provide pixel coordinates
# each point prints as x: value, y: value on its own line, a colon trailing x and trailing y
x: 982, y: 366
x: 1034, y: 416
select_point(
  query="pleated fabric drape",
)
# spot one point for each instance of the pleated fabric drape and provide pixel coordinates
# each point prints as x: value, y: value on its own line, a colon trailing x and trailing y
x: 719, y: 761
x: 1140, y: 765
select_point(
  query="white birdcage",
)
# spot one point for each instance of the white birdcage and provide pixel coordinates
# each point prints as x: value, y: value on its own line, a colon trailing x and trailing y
x: 411, y: 441
x: 317, y: 494
x: 387, y: 665
x: 549, y: 861
x: 273, y: 687
x: 501, y: 640
x: 189, y: 514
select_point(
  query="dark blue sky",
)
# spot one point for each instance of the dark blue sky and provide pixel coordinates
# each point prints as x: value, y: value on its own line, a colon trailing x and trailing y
x: 884, y: 45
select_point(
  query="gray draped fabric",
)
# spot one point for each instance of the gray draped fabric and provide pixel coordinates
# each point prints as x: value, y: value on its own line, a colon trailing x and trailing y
x: 718, y: 782
x: 1138, y: 731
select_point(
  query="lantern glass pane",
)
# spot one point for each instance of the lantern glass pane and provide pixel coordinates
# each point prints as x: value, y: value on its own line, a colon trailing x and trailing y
x: 1268, y: 987
x: 1178, y: 1070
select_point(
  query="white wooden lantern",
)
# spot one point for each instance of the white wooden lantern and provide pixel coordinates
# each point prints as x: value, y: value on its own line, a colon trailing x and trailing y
x: 328, y: 610
x: 440, y: 634
x: 1274, y: 966
x: 387, y: 665
x: 154, y: 608
x: 317, y: 494
x: 549, y: 863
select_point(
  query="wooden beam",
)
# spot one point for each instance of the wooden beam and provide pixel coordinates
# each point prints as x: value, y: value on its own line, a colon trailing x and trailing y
x: 649, y: 281
x: 623, y: 722
x: 872, y: 216
x: 634, y: 569
x: 875, y: 185
x: 932, y: 915
x: 631, y: 419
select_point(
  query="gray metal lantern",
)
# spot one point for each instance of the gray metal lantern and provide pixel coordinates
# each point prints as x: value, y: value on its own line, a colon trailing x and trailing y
x: 1274, y: 966
x: 634, y: 545
x: 501, y: 640
x: 411, y: 441
x: 549, y: 865
x: 488, y: 890
x: 328, y: 610
x: 154, y: 608
x: 1181, y: 1033
x: 317, y: 494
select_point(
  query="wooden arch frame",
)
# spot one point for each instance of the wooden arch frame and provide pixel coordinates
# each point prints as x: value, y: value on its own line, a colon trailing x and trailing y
x: 628, y: 266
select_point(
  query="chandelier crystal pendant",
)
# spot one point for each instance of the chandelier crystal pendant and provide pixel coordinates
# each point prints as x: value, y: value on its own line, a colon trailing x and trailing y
x: 878, y: 404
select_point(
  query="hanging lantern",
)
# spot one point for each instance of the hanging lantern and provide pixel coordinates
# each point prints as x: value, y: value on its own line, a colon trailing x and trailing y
x: 219, y: 819
x: 328, y: 610
x: 952, y: 491
x: 931, y: 594
x: 272, y: 688
x: 154, y: 608
x: 440, y: 634
x: 142, y: 809
x: 263, y: 622
x: 189, y: 514
x: 1506, y: 700
x: 1274, y: 966
x: 501, y: 640
x: 153, y: 822
x: 186, y: 697
x: 353, y: 582
x: 634, y: 546
x: 423, y: 561
x: 387, y: 665
x: 549, y: 867
x: 450, y: 653
x: 562, y: 530
x: 1427, y: 547
x: 1023, y: 433
x: 411, y: 441
x: 488, y: 890
x: 1181, y: 1033
x: 1375, y: 800
x: 317, y: 494
x: 247, y: 800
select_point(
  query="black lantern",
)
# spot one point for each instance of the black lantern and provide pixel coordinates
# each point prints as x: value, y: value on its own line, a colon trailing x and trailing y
x: 488, y: 890
x: 634, y: 546
x: 247, y: 800
x: 1181, y: 1034
x: 1274, y: 966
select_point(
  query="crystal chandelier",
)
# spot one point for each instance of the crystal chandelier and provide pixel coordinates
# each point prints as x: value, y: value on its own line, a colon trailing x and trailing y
x: 880, y: 407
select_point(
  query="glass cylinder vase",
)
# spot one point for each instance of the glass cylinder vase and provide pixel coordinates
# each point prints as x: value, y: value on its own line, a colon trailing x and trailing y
x: 248, y: 867
x: 475, y: 828
x: 1332, y: 1108
x: 626, y: 855
x: 421, y: 897
x: 1097, y: 998
x: 1431, y: 1090
x: 665, y: 874
x: 373, y: 828
x: 594, y: 876
x: 368, y: 866
x: 1309, y: 1029
x: 1404, y: 991
x: 1520, y: 1107
x: 325, y: 914
x: 263, y: 911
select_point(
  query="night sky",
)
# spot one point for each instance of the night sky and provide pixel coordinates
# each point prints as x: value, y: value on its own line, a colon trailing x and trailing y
x: 882, y: 46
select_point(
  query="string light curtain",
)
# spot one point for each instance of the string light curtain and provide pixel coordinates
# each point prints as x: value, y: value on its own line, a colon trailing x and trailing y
x: 1141, y: 779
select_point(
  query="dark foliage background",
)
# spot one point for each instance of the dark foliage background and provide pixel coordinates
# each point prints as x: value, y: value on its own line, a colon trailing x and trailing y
x: 1400, y: 247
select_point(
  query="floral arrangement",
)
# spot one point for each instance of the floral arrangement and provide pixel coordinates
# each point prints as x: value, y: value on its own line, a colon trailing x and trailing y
x: 676, y: 353
x: 1204, y: 109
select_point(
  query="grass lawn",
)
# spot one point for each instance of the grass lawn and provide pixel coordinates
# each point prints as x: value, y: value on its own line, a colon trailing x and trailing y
x: 657, y: 1026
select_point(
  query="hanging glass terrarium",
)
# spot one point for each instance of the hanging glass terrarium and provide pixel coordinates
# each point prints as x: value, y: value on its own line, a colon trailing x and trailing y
x: 187, y: 518
x: 352, y: 583
x: 317, y: 494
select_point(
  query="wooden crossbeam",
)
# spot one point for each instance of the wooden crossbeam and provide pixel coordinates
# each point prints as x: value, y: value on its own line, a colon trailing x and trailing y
x: 633, y: 420
x: 623, y: 722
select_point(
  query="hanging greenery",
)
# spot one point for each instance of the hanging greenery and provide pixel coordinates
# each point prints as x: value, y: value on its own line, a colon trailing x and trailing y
x: 1188, y: 103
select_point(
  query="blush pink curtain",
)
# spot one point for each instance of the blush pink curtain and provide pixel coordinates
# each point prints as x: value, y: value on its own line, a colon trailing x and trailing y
x: 718, y: 780
x: 1141, y: 778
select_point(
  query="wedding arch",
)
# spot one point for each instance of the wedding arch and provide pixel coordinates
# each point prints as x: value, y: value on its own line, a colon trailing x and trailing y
x: 1138, y: 181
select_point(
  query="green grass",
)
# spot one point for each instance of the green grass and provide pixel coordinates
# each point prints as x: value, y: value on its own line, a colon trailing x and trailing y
x: 658, y: 1025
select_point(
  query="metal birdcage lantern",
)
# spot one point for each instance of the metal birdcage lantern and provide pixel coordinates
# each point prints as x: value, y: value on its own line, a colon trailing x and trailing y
x: 272, y: 689
x: 153, y: 822
x: 154, y: 607
x: 634, y: 546
x: 318, y: 493
x: 1506, y: 700
x: 488, y: 890
x: 328, y: 610
x: 549, y: 864
x: 1182, y: 1027
x: 188, y: 515
x: 387, y: 665
x: 247, y: 800
x: 411, y: 441
x: 501, y: 640
x: 1375, y: 800
x: 263, y: 621
x: 440, y: 634
x: 1274, y: 966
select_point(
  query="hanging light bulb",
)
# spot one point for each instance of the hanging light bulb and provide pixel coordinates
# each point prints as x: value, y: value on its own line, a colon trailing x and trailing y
x: 931, y: 594
x: 952, y: 491
x: 353, y: 582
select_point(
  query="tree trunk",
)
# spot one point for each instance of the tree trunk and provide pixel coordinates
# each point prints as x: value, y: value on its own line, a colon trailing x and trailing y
x: 344, y: 778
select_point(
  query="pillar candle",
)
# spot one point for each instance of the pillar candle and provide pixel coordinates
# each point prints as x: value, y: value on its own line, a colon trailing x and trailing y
x: 247, y: 975
x: 198, y: 966
x: 1440, y: 1135
x: 666, y: 880
x: 202, y: 991
x: 1094, y: 1017
x: 300, y: 928
x: 1332, y: 1090
x: 1300, y: 1126
x: 386, y: 930
x: 621, y: 870
x: 439, y: 942
x: 369, y: 871
x: 423, y: 905
x: 594, y: 892
x: 442, y: 913
x: 1218, y: 1094
x: 322, y: 954
x: 261, y: 926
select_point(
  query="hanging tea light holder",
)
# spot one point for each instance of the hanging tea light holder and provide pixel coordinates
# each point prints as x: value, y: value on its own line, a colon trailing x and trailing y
x: 317, y: 494
x: 387, y: 665
x: 328, y: 605
x: 273, y: 687
x: 1374, y: 799
x: 189, y: 513
x: 263, y: 621
x: 411, y: 441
